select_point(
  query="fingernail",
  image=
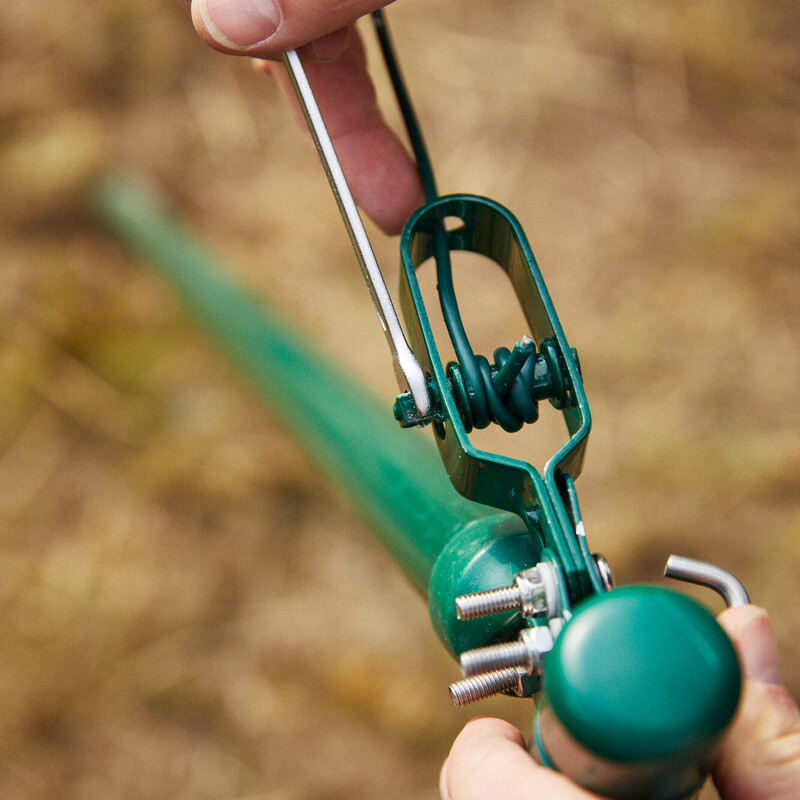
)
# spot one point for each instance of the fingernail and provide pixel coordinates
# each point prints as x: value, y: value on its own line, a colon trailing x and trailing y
x: 240, y: 23
x: 757, y: 648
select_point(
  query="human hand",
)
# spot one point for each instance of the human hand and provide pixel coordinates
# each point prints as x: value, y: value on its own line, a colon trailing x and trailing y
x: 760, y: 757
x: 382, y: 176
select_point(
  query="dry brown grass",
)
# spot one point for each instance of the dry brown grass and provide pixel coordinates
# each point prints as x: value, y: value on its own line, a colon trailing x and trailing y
x: 160, y: 638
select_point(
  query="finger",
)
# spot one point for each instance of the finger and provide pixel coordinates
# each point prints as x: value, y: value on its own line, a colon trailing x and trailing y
x: 382, y: 176
x: 443, y: 792
x: 328, y: 48
x: 760, y: 759
x: 488, y: 761
x: 265, y: 28
x: 751, y: 632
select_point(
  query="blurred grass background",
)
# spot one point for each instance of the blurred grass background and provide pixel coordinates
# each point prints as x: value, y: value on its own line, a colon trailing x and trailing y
x: 186, y: 609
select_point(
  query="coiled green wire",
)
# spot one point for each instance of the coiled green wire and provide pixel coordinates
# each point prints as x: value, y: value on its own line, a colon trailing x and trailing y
x: 482, y: 404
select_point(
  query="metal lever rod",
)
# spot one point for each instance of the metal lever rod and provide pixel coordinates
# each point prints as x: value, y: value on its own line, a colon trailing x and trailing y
x: 406, y: 364
x: 710, y: 575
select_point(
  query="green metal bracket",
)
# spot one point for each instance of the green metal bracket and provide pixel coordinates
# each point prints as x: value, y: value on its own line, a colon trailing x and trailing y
x: 489, y: 229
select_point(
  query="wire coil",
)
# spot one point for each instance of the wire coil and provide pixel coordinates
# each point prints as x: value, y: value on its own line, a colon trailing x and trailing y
x: 507, y: 392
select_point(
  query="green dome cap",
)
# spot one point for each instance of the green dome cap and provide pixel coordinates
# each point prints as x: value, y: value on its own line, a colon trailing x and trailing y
x: 643, y: 674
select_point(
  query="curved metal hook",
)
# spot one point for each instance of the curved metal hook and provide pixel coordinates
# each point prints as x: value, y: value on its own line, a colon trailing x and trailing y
x: 709, y: 575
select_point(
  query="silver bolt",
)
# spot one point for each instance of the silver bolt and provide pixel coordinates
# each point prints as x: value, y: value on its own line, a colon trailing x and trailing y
x: 494, y: 657
x: 478, y: 687
x: 526, y: 653
x: 533, y: 593
x: 482, y: 604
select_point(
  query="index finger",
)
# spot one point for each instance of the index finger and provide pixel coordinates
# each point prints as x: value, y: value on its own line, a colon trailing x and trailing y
x: 383, y: 178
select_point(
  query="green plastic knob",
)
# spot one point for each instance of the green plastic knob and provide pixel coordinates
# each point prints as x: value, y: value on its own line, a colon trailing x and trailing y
x: 640, y: 687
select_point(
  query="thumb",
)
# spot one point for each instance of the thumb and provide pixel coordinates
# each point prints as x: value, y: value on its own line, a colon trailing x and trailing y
x: 760, y: 759
x: 264, y: 28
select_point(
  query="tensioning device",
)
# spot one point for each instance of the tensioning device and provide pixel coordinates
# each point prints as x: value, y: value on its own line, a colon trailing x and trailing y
x: 634, y: 686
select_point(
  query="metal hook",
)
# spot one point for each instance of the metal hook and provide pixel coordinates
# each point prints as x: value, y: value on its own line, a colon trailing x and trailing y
x: 709, y: 575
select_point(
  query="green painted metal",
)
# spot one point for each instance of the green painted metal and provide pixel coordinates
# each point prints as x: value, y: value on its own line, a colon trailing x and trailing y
x: 393, y: 477
x: 640, y: 687
x: 491, y: 230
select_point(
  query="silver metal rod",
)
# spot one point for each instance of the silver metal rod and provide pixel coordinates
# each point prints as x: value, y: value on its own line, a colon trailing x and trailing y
x: 494, y: 657
x: 709, y: 575
x: 407, y: 367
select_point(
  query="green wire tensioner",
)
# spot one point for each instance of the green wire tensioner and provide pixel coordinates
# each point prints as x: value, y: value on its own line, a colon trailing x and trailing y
x: 634, y: 686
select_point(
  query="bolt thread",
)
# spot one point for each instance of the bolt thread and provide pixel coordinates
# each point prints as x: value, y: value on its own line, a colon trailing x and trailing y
x: 482, y: 604
x: 470, y: 690
x: 493, y: 658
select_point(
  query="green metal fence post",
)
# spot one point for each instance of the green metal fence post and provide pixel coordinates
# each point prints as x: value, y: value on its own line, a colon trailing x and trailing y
x: 393, y: 477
